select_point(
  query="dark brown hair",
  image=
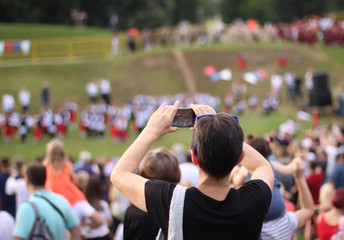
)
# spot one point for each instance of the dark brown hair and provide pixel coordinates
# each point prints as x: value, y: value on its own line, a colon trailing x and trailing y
x: 219, y: 142
x: 36, y: 174
x: 93, y: 192
x: 261, y: 145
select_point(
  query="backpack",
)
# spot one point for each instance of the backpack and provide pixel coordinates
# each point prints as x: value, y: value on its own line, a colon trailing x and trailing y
x: 40, y: 230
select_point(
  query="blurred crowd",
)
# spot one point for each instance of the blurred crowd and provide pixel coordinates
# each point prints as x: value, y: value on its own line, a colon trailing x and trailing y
x: 102, y: 117
x: 309, y: 30
x: 321, y: 150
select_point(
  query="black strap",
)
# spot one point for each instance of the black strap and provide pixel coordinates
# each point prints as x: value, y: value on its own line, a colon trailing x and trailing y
x: 58, y: 210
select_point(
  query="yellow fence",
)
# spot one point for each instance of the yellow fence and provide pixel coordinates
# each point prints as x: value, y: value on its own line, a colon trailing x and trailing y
x: 62, y: 47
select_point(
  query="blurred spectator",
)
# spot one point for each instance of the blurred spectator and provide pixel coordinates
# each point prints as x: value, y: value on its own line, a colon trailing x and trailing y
x: 82, y: 177
x: 328, y: 221
x: 340, y: 97
x: 45, y: 95
x: 72, y: 108
x: 24, y: 97
x: 314, y: 180
x: 53, y: 208
x: 287, y: 225
x: 15, y: 184
x: 161, y: 164
x: 337, y: 176
x: 61, y: 179
x: 105, y: 90
x: 6, y: 225
x: 92, y: 91
x: 8, y: 102
x: 114, y: 22
x: 85, y: 163
x: 239, y: 88
x: 8, y: 201
x: 93, y: 193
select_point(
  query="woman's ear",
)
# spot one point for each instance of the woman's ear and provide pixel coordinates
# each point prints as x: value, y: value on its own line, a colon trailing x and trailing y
x: 194, y: 157
x: 242, y: 155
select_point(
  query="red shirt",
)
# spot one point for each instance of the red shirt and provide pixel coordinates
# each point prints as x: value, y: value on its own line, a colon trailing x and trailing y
x: 325, y: 231
x: 314, y: 181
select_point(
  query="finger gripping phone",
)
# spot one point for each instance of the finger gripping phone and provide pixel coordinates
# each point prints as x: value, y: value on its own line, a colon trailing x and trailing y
x: 185, y: 117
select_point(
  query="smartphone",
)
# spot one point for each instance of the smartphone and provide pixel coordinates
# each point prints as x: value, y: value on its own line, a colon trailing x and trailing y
x: 185, y: 117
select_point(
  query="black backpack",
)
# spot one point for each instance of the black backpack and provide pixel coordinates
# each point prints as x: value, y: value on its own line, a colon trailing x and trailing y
x: 40, y: 230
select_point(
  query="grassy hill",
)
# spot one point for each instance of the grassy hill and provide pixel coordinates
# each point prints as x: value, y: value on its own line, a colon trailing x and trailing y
x: 32, y: 31
x: 157, y: 73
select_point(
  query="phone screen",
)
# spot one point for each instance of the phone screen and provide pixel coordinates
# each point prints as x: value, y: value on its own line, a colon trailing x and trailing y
x: 185, y: 117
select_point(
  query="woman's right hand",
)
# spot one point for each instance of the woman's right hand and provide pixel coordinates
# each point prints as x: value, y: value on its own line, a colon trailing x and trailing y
x: 160, y: 121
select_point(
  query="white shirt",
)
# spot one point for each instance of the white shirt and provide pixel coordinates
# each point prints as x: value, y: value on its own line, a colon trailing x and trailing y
x: 6, y: 226
x: 276, y: 81
x: 92, y: 89
x: 105, y: 87
x: 332, y: 153
x: 24, y: 97
x: 103, y: 229
x: 8, y: 102
x: 189, y: 173
x: 83, y: 209
x: 18, y: 187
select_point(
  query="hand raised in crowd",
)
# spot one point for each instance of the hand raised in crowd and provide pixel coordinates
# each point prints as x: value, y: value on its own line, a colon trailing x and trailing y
x: 160, y: 121
x: 299, y: 173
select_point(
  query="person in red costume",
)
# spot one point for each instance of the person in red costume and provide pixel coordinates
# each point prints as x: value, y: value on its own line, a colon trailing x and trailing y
x: 328, y: 221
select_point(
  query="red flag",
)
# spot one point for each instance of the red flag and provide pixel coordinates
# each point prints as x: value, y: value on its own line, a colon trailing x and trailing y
x: 8, y: 47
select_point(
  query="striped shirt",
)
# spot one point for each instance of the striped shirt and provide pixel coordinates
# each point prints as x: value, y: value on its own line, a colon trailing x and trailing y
x: 281, y: 228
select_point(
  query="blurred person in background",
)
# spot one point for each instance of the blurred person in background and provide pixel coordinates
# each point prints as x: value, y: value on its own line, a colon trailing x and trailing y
x: 315, y: 179
x: 93, y: 193
x: 92, y: 91
x: 8, y: 200
x: 53, y: 208
x: 328, y: 221
x: 285, y: 227
x: 61, y: 179
x: 15, y: 184
x: 8, y: 102
x: 45, y: 95
x: 6, y: 225
x: 105, y: 90
x: 24, y: 98
x: 160, y: 164
x: 337, y: 176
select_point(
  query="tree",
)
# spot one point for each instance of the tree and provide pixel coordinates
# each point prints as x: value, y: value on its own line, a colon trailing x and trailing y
x: 185, y: 10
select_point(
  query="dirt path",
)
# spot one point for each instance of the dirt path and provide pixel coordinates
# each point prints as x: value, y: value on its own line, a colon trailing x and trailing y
x: 185, y: 69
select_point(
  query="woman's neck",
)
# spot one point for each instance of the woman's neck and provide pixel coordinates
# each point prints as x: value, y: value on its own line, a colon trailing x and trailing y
x: 212, y: 187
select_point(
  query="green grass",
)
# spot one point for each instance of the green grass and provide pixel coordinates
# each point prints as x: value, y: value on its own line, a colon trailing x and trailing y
x: 156, y: 73
x: 32, y: 31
